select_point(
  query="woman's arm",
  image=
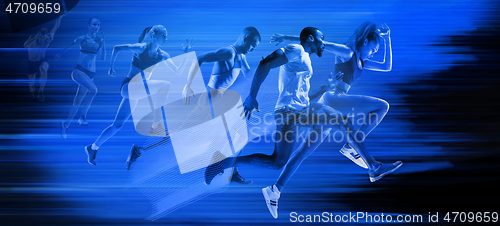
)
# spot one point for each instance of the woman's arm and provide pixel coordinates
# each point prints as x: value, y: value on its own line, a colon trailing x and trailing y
x: 386, y: 64
x: 339, y: 49
x: 332, y: 82
x: 318, y: 92
x: 170, y: 64
x: 103, y: 48
x: 135, y: 48
x: 78, y: 39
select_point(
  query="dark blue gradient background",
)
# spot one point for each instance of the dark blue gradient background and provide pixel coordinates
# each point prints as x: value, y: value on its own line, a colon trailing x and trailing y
x: 443, y: 121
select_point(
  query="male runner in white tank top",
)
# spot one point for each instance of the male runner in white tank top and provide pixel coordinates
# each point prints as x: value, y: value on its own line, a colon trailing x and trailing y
x: 229, y: 62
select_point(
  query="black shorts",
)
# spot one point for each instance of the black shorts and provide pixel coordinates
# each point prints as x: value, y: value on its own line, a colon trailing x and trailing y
x: 34, y: 67
x: 84, y: 70
x: 125, y: 81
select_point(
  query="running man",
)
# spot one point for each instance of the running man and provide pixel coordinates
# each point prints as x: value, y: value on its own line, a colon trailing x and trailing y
x: 365, y: 40
x: 293, y: 101
x: 351, y: 58
x: 37, y: 62
x: 229, y: 61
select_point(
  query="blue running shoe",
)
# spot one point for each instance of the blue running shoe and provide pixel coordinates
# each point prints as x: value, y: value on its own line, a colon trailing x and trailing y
x: 384, y: 169
x: 237, y: 178
x: 135, y: 152
x: 90, y: 155
x: 215, y: 168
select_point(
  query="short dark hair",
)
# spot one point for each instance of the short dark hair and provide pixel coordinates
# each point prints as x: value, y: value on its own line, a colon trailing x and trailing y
x: 304, y: 34
x: 252, y: 32
x: 91, y: 18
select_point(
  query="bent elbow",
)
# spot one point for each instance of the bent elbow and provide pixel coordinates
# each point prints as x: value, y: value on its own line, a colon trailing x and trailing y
x: 387, y: 68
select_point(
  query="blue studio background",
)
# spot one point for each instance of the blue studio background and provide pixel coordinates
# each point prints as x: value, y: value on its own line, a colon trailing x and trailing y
x: 441, y: 124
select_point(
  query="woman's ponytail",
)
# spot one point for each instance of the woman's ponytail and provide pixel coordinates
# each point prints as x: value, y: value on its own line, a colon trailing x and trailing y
x: 143, y: 35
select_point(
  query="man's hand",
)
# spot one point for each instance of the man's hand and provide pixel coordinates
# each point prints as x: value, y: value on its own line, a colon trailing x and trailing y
x: 279, y: 38
x: 248, y: 106
x: 334, y: 80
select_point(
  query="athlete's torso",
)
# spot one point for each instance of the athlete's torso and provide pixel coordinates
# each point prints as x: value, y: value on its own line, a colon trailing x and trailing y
x: 89, y: 48
x: 36, y: 51
x: 90, y: 45
x: 143, y: 62
x: 294, y: 78
x: 352, y: 71
x: 224, y: 73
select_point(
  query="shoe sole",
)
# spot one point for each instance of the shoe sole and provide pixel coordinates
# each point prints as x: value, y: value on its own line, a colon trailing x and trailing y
x: 350, y: 157
x: 129, y: 163
x: 268, y: 202
x: 373, y: 179
x: 243, y: 181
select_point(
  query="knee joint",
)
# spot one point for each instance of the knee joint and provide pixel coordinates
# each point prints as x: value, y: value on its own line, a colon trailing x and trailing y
x: 117, y: 125
x: 278, y: 165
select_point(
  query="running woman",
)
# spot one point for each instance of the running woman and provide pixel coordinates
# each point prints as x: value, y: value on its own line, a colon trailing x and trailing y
x: 229, y: 62
x: 83, y: 74
x: 293, y: 101
x: 37, y: 62
x: 147, y: 54
x: 352, y: 58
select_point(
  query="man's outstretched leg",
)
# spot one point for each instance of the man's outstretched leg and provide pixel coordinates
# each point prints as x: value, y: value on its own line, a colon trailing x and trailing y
x: 287, y: 125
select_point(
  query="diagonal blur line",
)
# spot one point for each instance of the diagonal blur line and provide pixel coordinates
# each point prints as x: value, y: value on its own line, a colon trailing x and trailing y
x: 64, y: 6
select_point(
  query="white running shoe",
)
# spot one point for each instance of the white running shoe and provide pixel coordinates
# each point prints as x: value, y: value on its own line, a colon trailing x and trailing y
x: 272, y: 194
x: 353, y: 155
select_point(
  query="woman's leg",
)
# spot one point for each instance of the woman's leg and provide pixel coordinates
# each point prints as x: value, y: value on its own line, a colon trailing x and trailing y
x: 87, y: 101
x: 85, y: 86
x: 376, y: 110
x: 81, y: 92
x: 121, y: 117
x: 158, y: 92
x: 365, y: 112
